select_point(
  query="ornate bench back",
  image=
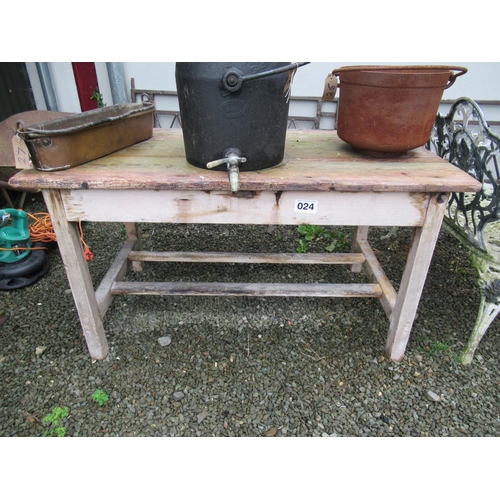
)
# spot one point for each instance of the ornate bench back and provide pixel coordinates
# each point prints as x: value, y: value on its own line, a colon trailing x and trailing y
x: 464, y: 138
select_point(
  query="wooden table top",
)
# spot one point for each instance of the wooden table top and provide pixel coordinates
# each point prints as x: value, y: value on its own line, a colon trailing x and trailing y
x: 315, y: 160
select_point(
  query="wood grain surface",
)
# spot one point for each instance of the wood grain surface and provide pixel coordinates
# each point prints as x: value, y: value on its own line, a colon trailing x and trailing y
x: 314, y: 161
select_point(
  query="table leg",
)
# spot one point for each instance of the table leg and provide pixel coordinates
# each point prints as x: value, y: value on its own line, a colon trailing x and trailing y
x: 413, y: 280
x: 118, y: 268
x: 373, y: 269
x: 71, y: 250
x: 360, y: 234
x: 133, y: 233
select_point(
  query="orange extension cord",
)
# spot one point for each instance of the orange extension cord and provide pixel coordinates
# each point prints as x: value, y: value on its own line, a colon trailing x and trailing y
x: 42, y: 231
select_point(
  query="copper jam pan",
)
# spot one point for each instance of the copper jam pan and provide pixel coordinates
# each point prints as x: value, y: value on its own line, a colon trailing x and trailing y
x: 76, y: 139
x: 385, y: 111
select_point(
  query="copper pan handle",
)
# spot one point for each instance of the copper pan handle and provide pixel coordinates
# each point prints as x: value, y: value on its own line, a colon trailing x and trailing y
x: 454, y: 76
x: 460, y: 70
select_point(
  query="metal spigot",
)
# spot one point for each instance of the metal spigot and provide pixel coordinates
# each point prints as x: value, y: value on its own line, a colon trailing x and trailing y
x: 232, y: 160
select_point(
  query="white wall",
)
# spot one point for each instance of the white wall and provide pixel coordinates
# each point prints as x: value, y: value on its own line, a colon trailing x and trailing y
x: 64, y: 84
x: 480, y: 83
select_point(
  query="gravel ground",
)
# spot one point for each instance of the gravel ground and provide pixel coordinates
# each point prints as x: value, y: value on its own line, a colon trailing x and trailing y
x: 247, y: 366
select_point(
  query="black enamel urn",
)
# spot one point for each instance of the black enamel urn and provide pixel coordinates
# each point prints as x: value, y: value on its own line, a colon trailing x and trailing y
x: 234, y: 112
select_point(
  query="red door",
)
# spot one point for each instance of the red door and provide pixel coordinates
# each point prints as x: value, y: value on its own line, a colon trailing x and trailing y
x: 86, y: 84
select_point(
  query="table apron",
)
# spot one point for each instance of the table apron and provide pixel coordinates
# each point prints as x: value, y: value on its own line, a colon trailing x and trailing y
x: 247, y: 207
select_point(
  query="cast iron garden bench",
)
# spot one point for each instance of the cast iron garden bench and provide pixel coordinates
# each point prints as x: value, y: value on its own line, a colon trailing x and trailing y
x: 464, y: 138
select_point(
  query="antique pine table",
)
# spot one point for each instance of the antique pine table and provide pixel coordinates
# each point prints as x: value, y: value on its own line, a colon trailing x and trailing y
x: 321, y: 181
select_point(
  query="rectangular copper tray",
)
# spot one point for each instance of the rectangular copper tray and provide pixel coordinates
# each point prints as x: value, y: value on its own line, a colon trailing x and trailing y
x: 76, y: 139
